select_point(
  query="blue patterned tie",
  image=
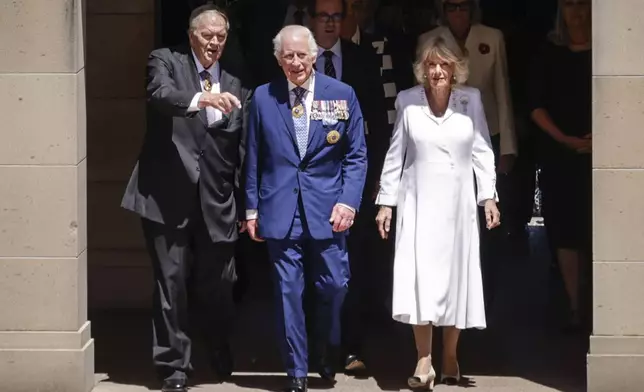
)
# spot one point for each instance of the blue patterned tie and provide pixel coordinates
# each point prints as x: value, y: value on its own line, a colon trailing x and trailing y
x: 299, y: 121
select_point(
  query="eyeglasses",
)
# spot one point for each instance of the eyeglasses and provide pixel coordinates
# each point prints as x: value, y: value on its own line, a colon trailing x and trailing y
x: 452, y: 7
x: 326, y: 18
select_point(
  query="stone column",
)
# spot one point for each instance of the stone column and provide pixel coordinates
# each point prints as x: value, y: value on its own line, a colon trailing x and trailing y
x: 616, y: 359
x: 45, y: 340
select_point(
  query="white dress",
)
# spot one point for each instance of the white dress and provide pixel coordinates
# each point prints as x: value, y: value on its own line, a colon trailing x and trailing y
x: 428, y: 175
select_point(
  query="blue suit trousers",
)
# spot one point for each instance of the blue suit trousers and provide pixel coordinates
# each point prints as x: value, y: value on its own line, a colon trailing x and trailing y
x: 328, y: 263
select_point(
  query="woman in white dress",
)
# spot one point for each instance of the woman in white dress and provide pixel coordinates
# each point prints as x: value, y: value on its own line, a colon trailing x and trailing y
x: 440, y: 143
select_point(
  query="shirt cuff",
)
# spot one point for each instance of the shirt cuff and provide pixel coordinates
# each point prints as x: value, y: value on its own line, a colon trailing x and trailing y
x: 194, y: 104
x: 386, y: 200
x: 349, y: 207
x: 252, y: 214
x: 485, y: 195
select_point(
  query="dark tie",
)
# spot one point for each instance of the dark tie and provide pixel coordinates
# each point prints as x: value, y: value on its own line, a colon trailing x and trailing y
x: 329, y: 69
x: 298, y: 16
x: 299, y: 95
x: 207, y: 80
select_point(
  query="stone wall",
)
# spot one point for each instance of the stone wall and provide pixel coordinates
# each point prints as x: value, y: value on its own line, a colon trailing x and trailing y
x: 120, y: 35
x: 45, y: 340
x: 616, y: 355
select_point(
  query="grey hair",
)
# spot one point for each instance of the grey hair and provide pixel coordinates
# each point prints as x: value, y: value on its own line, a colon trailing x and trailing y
x: 204, y: 11
x: 475, y: 13
x: 294, y: 30
x: 443, y: 46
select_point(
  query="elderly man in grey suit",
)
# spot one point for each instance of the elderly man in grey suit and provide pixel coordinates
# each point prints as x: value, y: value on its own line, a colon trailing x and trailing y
x: 185, y: 187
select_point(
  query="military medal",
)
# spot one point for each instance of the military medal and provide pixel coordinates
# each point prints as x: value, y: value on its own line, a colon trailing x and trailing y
x: 316, y: 111
x: 297, y: 111
x: 340, y: 109
x: 333, y: 137
x: 207, y: 85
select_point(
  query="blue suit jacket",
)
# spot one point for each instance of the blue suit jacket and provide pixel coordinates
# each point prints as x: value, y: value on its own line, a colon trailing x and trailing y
x: 329, y: 173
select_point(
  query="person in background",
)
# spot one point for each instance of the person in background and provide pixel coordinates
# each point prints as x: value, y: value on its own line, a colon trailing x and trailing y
x: 261, y: 20
x: 360, y: 67
x: 305, y: 173
x: 440, y: 139
x: 561, y: 102
x: 186, y: 188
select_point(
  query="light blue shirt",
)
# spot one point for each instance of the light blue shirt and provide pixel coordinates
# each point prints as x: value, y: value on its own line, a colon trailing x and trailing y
x: 336, y: 59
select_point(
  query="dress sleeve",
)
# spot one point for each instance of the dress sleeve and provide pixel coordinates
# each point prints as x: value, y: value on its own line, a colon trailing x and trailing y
x: 483, y: 155
x: 394, y: 160
x: 537, y: 93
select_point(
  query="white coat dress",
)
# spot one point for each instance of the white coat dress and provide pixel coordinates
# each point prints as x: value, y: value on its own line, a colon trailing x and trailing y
x: 428, y: 174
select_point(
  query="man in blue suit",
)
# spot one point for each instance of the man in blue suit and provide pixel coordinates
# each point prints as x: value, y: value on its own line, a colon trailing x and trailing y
x: 305, y: 171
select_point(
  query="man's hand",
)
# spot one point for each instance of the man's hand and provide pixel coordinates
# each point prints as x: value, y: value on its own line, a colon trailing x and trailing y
x: 242, y: 226
x: 492, y: 214
x: 225, y: 102
x: 253, y: 230
x: 383, y: 219
x: 506, y: 163
x: 341, y: 218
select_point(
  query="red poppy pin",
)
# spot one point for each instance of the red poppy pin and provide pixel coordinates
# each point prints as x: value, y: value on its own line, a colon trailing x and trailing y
x: 484, y: 48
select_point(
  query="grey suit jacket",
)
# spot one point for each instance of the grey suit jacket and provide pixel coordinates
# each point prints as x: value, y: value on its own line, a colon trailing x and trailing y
x: 185, y: 166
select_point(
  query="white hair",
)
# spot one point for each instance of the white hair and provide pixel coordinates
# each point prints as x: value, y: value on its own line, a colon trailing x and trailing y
x: 199, y: 15
x: 294, y: 30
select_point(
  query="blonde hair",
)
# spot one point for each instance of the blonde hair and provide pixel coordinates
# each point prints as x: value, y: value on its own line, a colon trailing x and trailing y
x: 559, y: 34
x: 445, y: 48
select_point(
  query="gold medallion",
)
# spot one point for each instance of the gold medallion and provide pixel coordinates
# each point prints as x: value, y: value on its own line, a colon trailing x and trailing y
x: 207, y: 84
x: 333, y: 137
x: 298, y: 111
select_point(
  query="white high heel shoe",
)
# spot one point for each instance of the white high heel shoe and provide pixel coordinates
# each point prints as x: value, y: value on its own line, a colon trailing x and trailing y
x: 451, y: 379
x: 421, y: 381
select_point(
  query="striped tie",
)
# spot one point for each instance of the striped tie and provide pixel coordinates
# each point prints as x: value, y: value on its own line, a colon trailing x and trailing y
x: 329, y: 69
x: 299, y: 120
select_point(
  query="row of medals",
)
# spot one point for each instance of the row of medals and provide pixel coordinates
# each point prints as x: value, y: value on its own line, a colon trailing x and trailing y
x: 332, y: 137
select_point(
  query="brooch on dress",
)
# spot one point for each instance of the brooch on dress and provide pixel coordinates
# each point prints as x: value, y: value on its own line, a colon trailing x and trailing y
x: 484, y: 48
x: 464, y: 102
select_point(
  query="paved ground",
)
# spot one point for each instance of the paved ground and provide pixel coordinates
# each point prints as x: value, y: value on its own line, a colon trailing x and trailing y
x: 521, y: 351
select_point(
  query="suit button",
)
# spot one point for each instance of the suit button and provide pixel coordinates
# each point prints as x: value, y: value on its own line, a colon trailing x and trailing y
x: 294, y: 190
x: 201, y: 153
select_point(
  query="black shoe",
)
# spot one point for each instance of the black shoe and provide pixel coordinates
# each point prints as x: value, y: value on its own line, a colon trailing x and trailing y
x: 297, y: 384
x: 174, y: 386
x: 327, y: 364
x: 222, y: 363
x: 353, y: 363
